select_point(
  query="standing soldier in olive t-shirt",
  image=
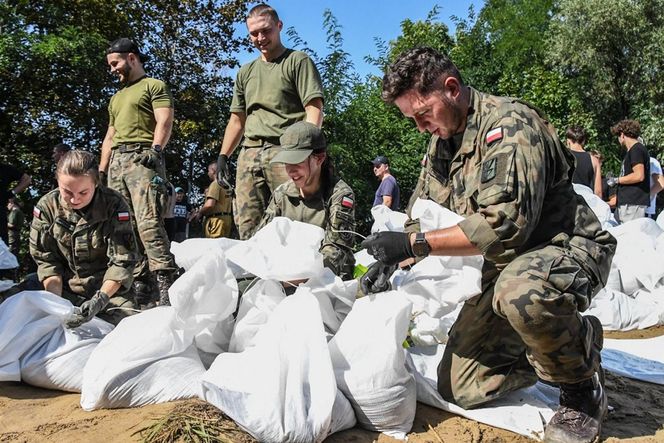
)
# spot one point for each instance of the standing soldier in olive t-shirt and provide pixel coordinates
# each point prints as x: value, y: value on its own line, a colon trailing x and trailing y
x: 141, y: 119
x: 271, y: 93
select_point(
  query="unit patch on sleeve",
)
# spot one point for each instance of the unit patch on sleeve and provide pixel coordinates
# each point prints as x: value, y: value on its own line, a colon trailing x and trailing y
x: 123, y: 216
x: 494, y: 135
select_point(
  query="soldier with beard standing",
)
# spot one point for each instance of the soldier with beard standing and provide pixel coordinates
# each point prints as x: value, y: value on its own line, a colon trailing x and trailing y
x: 141, y: 119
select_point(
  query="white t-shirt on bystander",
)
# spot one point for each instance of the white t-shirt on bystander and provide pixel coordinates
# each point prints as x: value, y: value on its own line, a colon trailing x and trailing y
x: 655, y: 168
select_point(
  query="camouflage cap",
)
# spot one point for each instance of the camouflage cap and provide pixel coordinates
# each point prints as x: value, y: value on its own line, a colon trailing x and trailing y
x: 298, y: 142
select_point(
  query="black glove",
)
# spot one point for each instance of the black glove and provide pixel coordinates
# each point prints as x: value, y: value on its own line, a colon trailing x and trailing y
x: 612, y: 182
x: 88, y: 310
x: 223, y: 176
x: 151, y: 158
x: 389, y: 247
x: 103, y: 178
x: 377, y: 278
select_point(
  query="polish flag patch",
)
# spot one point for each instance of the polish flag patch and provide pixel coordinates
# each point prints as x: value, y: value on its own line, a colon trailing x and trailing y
x: 36, y: 212
x: 347, y: 202
x: 494, y: 134
x: 123, y: 216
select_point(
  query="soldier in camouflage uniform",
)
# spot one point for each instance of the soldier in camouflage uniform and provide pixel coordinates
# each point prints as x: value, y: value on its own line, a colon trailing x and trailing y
x: 271, y: 93
x: 498, y: 162
x: 315, y: 195
x: 83, y: 242
x: 141, y: 118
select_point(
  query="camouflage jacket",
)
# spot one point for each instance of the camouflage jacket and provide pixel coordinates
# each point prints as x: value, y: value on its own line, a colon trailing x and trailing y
x: 509, y: 175
x: 333, y: 210
x: 85, y: 247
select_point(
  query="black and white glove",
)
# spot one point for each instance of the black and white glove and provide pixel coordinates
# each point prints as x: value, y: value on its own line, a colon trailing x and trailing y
x: 390, y: 248
x: 377, y: 278
x: 88, y: 310
x: 223, y: 175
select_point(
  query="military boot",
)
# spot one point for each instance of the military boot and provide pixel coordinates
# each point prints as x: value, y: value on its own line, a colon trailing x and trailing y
x: 142, y: 295
x: 583, y: 405
x: 164, y: 282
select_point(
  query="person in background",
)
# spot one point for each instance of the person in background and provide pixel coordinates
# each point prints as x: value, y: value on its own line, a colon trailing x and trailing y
x: 9, y: 175
x: 633, y: 184
x: 588, y: 169
x: 217, y: 208
x: 656, y: 185
x: 181, y: 212
x: 83, y: 242
x: 58, y: 151
x: 15, y: 220
x: 388, y: 193
x: 271, y: 93
x: 315, y: 195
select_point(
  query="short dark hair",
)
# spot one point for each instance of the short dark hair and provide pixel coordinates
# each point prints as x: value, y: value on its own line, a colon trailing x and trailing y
x: 263, y: 9
x: 631, y: 128
x: 577, y: 134
x: 62, y: 147
x: 421, y: 69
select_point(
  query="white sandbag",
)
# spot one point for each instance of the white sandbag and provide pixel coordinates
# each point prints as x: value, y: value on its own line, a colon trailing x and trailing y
x: 37, y: 348
x: 432, y: 216
x: 386, y: 219
x: 601, y: 208
x: 144, y: 360
x: 620, y: 312
x: 283, y: 388
x: 369, y: 364
x: 256, y: 306
x: 335, y: 297
x: 363, y: 258
x: 524, y: 411
x: 191, y: 250
x: 641, y: 359
x: 7, y: 259
x: 6, y: 284
x: 204, y: 299
x: 660, y: 220
x: 283, y: 250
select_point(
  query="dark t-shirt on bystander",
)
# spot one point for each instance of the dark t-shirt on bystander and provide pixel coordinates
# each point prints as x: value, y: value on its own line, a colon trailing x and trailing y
x: 637, y: 193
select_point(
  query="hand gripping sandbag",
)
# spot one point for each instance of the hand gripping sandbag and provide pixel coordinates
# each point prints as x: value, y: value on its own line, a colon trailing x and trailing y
x: 369, y: 364
x: 144, y: 360
x: 204, y: 299
x: 37, y: 348
x: 283, y: 250
x: 283, y: 388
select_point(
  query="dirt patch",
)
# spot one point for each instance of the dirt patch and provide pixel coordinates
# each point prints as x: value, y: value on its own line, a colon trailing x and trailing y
x: 655, y: 331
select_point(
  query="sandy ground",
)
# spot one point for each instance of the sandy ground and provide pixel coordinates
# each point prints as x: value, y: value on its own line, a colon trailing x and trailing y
x: 29, y: 414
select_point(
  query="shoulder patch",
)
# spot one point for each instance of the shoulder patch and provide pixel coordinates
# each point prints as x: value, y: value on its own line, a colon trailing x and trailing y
x: 36, y: 212
x: 123, y: 216
x: 347, y: 202
x: 494, y: 134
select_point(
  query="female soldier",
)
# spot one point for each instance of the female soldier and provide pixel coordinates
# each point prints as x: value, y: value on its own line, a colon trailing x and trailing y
x: 315, y: 195
x: 83, y: 243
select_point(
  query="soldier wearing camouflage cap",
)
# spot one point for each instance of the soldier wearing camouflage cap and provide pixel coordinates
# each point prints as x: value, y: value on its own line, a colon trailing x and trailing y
x: 499, y: 163
x: 315, y: 195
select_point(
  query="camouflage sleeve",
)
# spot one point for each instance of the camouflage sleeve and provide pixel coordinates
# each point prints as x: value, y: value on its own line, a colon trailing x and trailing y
x: 339, y: 239
x: 511, y: 187
x: 273, y: 210
x: 122, y: 249
x: 43, y: 246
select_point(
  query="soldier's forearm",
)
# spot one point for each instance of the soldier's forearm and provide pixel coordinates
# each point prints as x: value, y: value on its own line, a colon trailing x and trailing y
x: 110, y: 287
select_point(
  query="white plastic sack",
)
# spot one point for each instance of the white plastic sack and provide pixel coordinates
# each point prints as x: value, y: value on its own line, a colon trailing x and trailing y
x: 7, y: 259
x: 432, y: 216
x: 191, y: 250
x: 640, y: 359
x: 37, y: 348
x: 283, y: 250
x: 204, y: 299
x: 283, y: 388
x: 620, y: 312
x: 256, y: 306
x: 369, y: 363
x: 386, y: 219
x: 144, y: 360
x: 335, y: 297
x: 601, y: 208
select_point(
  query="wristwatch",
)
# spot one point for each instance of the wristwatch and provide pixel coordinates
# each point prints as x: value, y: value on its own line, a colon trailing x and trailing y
x: 421, y: 247
x: 157, y: 148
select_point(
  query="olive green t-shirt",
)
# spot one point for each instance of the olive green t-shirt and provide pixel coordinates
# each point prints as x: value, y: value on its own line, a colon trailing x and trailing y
x: 131, y: 110
x: 273, y: 94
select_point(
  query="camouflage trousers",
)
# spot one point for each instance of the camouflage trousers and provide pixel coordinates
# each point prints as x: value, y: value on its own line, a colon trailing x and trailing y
x: 255, y: 182
x: 525, y: 324
x: 141, y: 179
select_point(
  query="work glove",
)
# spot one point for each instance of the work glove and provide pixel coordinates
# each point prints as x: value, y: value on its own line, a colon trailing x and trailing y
x: 223, y: 176
x: 377, y: 278
x: 387, y: 247
x: 151, y: 158
x: 612, y: 182
x: 87, y: 310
